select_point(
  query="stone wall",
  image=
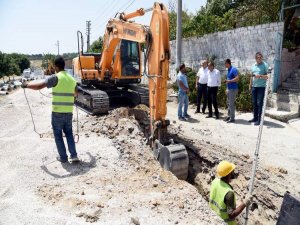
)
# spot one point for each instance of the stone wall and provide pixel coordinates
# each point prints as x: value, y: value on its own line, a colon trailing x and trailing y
x: 240, y: 45
x: 290, y: 61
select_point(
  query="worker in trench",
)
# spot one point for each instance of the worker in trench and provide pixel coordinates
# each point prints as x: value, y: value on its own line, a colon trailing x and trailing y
x: 63, y: 90
x: 222, y: 197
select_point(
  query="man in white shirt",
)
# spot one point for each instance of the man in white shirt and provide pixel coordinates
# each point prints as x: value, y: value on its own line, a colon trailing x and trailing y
x: 213, y: 83
x: 201, y: 86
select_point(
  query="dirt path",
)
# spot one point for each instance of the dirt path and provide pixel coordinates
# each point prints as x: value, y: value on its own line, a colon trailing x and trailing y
x: 117, y: 182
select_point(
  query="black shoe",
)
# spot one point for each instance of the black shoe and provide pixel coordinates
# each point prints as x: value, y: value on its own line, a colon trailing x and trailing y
x: 253, y: 120
x: 187, y: 116
x: 231, y: 121
x: 203, y: 111
x: 61, y: 160
x: 217, y: 117
x: 75, y: 159
x: 227, y: 118
x: 257, y: 123
x: 209, y: 116
x: 197, y: 111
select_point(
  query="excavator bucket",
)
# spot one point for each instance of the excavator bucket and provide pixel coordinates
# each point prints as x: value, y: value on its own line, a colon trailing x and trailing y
x: 173, y: 158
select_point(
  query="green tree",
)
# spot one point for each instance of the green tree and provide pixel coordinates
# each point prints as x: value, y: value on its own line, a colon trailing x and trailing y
x: 21, y: 61
x: 97, y: 45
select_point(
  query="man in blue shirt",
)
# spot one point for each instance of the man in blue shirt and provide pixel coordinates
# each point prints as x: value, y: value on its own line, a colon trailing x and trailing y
x: 232, y: 90
x: 183, y: 91
x: 257, y: 86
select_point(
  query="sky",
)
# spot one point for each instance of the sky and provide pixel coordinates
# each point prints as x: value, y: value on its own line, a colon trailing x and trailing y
x: 35, y: 26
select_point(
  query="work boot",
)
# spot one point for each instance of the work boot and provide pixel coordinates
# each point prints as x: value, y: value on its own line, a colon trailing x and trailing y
x: 187, y: 116
x: 227, y: 119
x: 61, y: 160
x: 75, y: 159
x: 252, y: 120
x: 257, y: 123
x: 231, y: 121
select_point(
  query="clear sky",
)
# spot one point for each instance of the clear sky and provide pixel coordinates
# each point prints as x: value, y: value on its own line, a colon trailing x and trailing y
x: 34, y: 26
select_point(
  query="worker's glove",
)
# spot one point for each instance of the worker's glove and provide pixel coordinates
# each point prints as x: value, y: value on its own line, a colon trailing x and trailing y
x: 248, y: 199
x: 24, y: 85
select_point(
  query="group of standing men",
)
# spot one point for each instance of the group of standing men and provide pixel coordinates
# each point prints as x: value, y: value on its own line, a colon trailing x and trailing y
x: 208, y: 82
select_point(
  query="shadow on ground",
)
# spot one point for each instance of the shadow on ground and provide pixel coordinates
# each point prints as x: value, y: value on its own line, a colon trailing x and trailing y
x: 73, y: 169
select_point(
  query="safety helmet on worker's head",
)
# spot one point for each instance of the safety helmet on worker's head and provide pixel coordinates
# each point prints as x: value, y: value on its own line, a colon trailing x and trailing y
x: 224, y: 168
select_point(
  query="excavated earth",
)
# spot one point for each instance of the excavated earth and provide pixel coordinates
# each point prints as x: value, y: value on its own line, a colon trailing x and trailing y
x: 118, y: 181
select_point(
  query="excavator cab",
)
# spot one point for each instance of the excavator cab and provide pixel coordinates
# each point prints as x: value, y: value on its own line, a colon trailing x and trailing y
x: 130, y: 59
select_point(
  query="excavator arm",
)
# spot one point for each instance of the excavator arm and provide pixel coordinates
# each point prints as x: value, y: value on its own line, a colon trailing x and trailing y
x: 171, y: 156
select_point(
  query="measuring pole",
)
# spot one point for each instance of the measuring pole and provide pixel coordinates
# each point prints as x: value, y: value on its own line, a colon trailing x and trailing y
x: 178, y: 33
x: 57, y: 44
x: 256, y: 154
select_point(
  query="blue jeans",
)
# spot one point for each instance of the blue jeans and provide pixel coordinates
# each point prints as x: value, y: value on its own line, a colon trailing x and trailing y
x: 62, y: 122
x: 258, y: 94
x: 183, y: 101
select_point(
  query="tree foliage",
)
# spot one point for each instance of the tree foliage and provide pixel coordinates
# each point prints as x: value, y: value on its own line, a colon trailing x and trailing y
x: 221, y: 15
x: 13, y: 64
x: 97, y: 45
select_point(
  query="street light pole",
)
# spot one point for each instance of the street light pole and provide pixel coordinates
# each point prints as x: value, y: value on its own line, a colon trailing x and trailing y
x: 178, y: 33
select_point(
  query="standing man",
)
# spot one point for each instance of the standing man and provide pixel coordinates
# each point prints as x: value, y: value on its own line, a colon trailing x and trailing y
x: 183, y: 91
x: 63, y: 90
x: 201, y: 86
x: 213, y: 83
x: 232, y: 90
x: 222, y: 197
x: 257, y: 86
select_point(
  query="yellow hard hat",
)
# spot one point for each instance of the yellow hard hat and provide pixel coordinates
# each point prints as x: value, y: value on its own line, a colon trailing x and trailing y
x: 224, y: 168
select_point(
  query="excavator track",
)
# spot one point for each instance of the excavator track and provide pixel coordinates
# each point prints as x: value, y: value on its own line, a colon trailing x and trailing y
x: 143, y: 93
x: 92, y: 100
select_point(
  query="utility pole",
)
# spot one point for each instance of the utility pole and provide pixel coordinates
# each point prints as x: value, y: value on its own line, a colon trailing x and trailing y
x: 178, y: 34
x: 57, y: 44
x: 88, y: 34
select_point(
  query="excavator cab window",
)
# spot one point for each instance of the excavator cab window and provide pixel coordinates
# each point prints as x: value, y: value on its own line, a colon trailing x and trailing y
x: 130, y: 58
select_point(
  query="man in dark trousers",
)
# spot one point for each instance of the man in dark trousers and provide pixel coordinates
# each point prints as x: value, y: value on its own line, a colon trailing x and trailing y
x: 222, y: 198
x: 201, y: 86
x: 213, y: 84
x: 63, y: 90
x: 231, y: 90
x: 258, y: 86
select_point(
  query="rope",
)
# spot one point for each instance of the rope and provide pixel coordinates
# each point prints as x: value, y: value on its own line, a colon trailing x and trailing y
x: 45, y: 95
x: 41, y: 135
x: 76, y: 136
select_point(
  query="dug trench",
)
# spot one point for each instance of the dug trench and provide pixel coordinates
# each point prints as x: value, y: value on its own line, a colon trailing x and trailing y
x: 128, y: 128
x: 203, y: 159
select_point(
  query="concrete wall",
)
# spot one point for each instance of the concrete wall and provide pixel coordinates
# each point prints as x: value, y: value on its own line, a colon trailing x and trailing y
x: 240, y: 45
x: 290, y: 61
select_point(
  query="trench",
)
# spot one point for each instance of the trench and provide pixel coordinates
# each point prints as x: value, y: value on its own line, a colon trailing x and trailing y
x: 203, y: 159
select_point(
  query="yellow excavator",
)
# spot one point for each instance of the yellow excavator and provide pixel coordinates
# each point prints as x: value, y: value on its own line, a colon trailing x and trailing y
x: 110, y: 78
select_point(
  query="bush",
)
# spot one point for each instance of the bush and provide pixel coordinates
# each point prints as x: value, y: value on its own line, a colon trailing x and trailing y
x: 243, y: 101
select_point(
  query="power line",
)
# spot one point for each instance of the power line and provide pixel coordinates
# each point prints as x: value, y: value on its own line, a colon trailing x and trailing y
x: 104, y: 9
x: 122, y: 8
